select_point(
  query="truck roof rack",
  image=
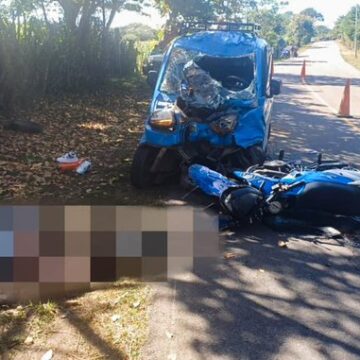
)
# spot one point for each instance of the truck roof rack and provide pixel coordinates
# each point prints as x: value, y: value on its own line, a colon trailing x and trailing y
x: 197, y: 26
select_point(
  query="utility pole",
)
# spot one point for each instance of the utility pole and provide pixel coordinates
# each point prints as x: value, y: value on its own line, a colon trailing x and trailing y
x: 356, y: 31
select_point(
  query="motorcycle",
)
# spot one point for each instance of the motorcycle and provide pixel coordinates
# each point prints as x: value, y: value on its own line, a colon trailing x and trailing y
x: 281, y: 188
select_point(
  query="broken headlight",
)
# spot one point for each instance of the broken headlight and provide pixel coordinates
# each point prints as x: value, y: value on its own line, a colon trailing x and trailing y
x: 225, y: 124
x: 163, y: 119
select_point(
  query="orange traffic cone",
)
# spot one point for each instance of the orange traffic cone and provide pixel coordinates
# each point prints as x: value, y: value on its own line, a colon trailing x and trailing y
x: 303, y: 72
x: 344, y: 110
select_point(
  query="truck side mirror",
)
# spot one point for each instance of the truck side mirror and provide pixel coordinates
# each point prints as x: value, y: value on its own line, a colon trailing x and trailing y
x: 152, y: 78
x: 275, y: 87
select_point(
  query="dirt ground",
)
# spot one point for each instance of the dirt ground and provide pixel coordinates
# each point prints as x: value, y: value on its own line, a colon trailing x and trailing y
x: 104, y: 127
x: 103, y: 324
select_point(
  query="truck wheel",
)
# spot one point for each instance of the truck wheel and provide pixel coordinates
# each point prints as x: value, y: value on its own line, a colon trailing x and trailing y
x: 256, y: 155
x: 141, y: 175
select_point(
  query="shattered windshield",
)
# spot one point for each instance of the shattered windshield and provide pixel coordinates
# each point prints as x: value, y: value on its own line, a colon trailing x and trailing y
x: 214, y: 79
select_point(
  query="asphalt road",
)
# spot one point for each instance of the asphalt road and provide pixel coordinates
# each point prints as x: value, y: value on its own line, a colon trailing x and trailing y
x: 305, y: 120
x: 299, y: 302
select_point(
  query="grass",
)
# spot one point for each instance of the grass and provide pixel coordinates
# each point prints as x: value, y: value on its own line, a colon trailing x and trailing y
x: 106, y: 323
x: 349, y: 56
x: 45, y: 311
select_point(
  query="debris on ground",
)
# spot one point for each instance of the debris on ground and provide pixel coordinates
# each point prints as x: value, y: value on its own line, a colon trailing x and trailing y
x: 229, y: 255
x: 96, y: 125
x: 84, y: 167
x: 169, y: 335
x: 115, y: 318
x: 283, y: 244
x: 48, y: 355
x: 68, y: 158
x: 29, y: 340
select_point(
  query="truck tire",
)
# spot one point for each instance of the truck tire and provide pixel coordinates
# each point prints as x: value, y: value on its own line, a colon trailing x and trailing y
x: 141, y: 175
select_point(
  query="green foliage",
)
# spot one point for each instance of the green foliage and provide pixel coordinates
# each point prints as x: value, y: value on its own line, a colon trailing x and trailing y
x: 47, y: 47
x: 144, y: 49
x: 301, y: 30
x: 273, y: 26
x: 312, y: 13
x: 278, y: 28
x: 52, y: 46
x: 345, y: 27
x: 323, y: 33
x: 138, y: 32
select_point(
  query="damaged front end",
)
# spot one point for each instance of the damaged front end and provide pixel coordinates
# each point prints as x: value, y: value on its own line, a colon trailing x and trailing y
x: 212, y: 102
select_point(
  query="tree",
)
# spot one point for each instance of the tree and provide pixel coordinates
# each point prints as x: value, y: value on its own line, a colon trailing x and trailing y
x: 301, y: 30
x: 345, y: 27
x: 207, y: 10
x: 74, y: 50
x: 313, y: 14
x: 323, y: 33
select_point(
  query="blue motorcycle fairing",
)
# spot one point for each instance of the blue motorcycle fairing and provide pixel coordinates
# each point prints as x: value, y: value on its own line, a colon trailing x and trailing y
x: 330, y: 192
x: 305, y: 177
x: 210, y: 182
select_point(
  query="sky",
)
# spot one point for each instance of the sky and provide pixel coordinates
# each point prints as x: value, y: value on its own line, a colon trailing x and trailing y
x: 331, y: 9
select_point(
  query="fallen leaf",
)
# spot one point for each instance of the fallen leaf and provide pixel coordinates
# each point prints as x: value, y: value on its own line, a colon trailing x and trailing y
x: 282, y: 244
x: 136, y: 304
x: 169, y: 335
x: 115, y: 318
x: 48, y: 355
x: 29, y: 340
x: 229, y: 255
x: 112, y: 180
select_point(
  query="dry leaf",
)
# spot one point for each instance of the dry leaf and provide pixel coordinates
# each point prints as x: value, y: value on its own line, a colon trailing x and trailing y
x: 282, y: 244
x: 229, y: 255
x: 169, y: 335
x: 29, y: 340
x: 115, y: 318
x: 48, y: 355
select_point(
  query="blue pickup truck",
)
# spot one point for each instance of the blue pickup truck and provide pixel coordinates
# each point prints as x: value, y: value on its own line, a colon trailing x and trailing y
x: 211, y: 105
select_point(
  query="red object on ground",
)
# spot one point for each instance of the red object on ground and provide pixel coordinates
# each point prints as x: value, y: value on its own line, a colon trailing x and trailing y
x: 303, y: 72
x: 71, y: 166
x: 344, y: 110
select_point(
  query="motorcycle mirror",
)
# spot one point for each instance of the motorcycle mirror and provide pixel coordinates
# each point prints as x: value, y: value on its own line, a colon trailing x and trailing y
x: 319, y: 159
x: 152, y: 78
x: 281, y: 154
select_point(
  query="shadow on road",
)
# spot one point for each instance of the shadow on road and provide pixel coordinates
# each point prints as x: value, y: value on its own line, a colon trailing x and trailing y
x: 259, y: 306
x: 303, y: 126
